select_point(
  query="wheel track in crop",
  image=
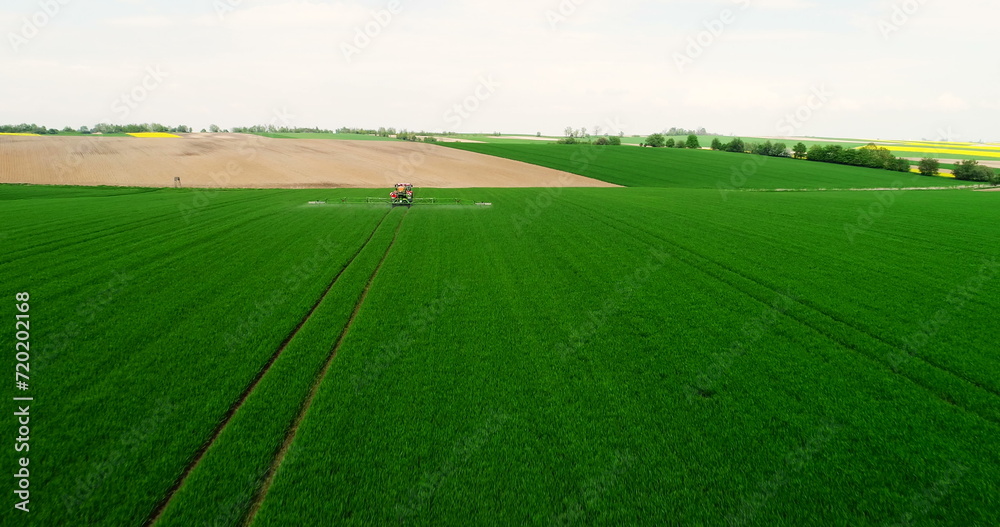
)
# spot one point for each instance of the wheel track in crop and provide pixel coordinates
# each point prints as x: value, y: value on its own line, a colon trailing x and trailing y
x: 279, y: 457
x: 846, y: 343
x: 817, y: 308
x: 200, y: 453
x: 812, y: 306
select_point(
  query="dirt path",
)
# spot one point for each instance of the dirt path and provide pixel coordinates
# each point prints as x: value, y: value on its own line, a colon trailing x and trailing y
x: 249, y: 161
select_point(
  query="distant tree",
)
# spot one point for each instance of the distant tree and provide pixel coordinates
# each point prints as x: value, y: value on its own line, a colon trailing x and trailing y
x: 736, y: 145
x: 670, y: 143
x: 897, y: 164
x: 203, y: 130
x: 84, y: 130
x: 971, y: 170
x: 692, y: 141
x: 800, y: 150
x: 214, y: 129
x: 717, y: 144
x: 569, y: 131
x: 67, y: 130
x: 656, y: 140
x: 615, y: 140
x: 680, y: 144
x: 602, y: 141
x: 539, y: 134
x: 816, y: 153
x: 930, y: 167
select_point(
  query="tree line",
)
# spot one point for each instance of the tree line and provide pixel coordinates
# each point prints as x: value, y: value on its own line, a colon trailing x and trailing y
x: 100, y: 128
x: 662, y: 141
x: 968, y: 170
x: 870, y: 156
x: 271, y: 129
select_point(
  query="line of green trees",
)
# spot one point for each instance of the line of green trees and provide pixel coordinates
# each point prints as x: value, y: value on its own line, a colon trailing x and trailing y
x: 271, y: 129
x: 968, y: 170
x: 767, y: 148
x: 580, y: 136
x: 684, y: 132
x: 604, y: 140
x: 662, y: 141
x: 870, y: 155
x: 106, y: 128
x: 100, y: 128
x: 381, y: 132
x: 26, y: 129
x: 422, y: 136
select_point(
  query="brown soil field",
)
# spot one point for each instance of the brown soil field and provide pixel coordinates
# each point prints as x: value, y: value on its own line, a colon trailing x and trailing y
x: 249, y: 161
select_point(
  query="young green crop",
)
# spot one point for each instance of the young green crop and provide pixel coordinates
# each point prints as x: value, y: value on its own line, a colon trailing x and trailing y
x: 226, y: 480
x: 653, y: 356
x: 566, y: 356
x: 672, y: 168
x: 149, y: 323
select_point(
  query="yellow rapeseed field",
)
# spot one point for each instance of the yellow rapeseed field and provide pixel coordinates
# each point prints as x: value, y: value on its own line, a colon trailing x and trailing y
x: 32, y: 135
x: 153, y: 135
x: 916, y: 170
x: 932, y: 150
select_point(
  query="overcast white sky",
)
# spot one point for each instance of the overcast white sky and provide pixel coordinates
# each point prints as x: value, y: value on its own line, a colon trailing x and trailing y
x: 550, y: 63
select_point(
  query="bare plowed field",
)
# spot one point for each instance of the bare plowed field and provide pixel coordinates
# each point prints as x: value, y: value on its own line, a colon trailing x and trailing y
x: 247, y: 161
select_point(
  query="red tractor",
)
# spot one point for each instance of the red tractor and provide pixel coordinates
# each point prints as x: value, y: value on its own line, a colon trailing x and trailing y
x: 402, y: 196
